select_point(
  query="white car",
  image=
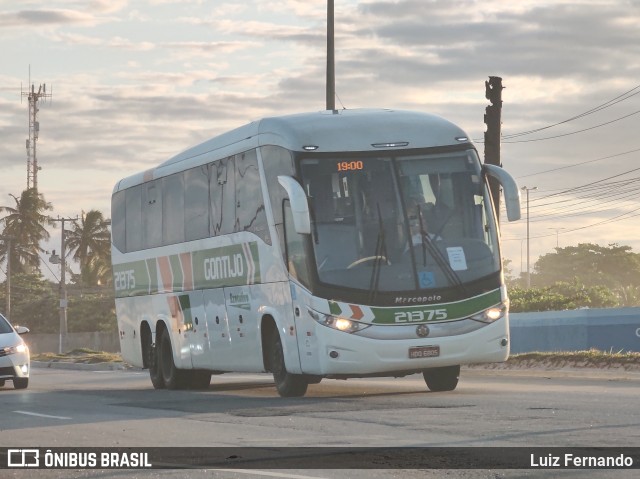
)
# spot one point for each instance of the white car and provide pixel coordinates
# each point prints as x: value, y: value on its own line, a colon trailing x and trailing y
x: 14, y: 355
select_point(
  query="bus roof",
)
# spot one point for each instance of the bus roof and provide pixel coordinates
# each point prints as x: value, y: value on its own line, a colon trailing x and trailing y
x: 324, y: 131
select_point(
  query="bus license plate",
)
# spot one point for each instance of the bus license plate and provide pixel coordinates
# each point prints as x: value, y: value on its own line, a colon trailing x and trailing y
x: 424, y: 352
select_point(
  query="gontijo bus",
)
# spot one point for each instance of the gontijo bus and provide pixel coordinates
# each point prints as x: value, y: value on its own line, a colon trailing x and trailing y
x: 336, y: 244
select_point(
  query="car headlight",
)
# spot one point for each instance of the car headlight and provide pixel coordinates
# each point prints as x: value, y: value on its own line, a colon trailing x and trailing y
x: 337, y: 322
x: 18, y: 348
x: 491, y: 314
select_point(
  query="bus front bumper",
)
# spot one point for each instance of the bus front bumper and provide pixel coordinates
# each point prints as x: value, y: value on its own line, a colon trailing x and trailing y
x: 349, y: 355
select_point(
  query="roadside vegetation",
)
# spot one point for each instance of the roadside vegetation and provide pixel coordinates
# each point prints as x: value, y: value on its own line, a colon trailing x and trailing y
x: 82, y: 355
x: 583, y: 276
x: 35, y: 301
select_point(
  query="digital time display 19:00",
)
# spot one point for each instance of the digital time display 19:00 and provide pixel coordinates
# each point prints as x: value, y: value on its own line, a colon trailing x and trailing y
x: 350, y: 165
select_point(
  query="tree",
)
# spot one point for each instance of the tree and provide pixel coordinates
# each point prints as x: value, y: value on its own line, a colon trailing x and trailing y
x: 90, y: 243
x: 35, y: 302
x: 614, y: 267
x: 561, y: 296
x: 26, y: 224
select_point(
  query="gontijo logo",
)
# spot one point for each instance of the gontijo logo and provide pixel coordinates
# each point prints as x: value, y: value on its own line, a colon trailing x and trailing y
x: 223, y: 267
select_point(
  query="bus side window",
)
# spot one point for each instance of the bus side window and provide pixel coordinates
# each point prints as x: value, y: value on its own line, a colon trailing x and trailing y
x: 222, y: 196
x: 277, y: 161
x: 295, y: 251
x: 173, y: 209
x: 250, y: 212
x: 133, y: 218
x: 118, y: 221
x: 196, y: 203
x: 152, y: 214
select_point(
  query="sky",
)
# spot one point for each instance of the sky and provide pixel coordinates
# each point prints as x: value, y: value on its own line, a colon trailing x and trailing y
x: 134, y: 82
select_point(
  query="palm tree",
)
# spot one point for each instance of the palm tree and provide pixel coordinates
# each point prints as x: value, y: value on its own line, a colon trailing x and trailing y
x: 26, y: 224
x: 90, y: 243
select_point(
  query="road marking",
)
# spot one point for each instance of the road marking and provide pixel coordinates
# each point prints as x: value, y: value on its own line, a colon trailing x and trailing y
x: 41, y: 415
x: 267, y: 473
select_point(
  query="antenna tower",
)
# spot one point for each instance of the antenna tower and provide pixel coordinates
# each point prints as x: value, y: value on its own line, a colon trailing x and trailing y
x: 34, y: 97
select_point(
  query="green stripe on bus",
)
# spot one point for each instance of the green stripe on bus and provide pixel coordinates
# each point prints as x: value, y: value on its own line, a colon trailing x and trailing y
x: 152, y: 267
x: 427, y: 312
x: 233, y: 265
x: 437, y: 312
x: 176, y: 269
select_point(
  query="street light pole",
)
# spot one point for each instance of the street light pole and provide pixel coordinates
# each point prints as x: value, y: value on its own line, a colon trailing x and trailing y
x: 62, y: 260
x: 331, y: 63
x: 527, y: 189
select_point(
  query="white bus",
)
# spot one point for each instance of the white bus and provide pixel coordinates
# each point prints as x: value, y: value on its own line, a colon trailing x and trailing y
x: 336, y: 244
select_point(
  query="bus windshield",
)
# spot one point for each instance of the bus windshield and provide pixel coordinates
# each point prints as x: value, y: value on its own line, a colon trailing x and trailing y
x: 401, y: 223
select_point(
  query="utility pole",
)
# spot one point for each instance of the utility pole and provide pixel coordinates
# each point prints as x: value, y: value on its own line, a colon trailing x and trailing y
x: 493, y: 120
x: 525, y: 188
x: 331, y: 64
x: 557, y: 230
x: 33, y: 98
x: 62, y: 261
x: 7, y: 310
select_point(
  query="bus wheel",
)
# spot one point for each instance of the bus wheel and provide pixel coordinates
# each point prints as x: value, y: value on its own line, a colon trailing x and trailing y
x: 442, y: 379
x: 287, y: 384
x: 170, y: 373
x: 20, y: 383
x: 155, y: 371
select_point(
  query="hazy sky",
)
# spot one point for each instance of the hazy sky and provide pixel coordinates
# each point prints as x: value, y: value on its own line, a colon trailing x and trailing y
x: 136, y: 81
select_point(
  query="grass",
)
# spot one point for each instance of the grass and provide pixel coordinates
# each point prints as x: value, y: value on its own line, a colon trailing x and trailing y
x: 82, y: 355
x: 591, y: 358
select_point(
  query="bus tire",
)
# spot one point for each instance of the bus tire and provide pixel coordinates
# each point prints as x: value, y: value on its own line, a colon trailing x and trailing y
x: 155, y: 371
x: 171, y: 375
x: 1, y: 383
x: 442, y: 379
x: 20, y: 383
x: 287, y: 384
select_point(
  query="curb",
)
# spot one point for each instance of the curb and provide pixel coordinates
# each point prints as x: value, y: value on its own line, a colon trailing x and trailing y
x: 541, y: 371
x: 79, y: 366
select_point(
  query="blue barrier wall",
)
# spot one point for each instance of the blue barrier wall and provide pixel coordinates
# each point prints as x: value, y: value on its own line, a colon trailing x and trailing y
x: 616, y: 329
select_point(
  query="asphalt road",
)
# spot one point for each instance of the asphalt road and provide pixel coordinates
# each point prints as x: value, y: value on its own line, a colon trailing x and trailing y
x: 64, y: 408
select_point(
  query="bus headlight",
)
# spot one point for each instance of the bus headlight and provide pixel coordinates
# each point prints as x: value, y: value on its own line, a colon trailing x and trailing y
x: 491, y: 314
x: 336, y: 322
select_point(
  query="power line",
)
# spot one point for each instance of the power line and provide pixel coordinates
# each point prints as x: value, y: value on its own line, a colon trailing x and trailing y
x: 574, y: 132
x: 620, y: 98
x: 624, y: 96
x: 589, y: 184
x: 579, y: 164
x: 606, y: 190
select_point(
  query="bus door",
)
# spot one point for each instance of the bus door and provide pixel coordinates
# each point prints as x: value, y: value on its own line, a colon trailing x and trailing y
x: 218, y: 331
x: 195, y: 328
x: 243, y: 328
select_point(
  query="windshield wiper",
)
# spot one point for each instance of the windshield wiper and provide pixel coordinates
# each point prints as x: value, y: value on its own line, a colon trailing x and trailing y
x: 434, y: 251
x: 379, y: 254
